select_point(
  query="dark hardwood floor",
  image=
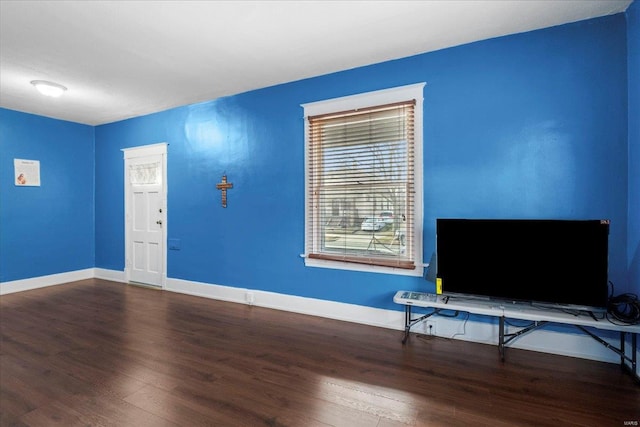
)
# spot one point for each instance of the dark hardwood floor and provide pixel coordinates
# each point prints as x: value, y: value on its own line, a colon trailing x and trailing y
x: 98, y: 353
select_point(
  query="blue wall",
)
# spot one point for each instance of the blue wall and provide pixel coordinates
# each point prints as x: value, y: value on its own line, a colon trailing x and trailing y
x: 633, y: 52
x: 48, y: 229
x: 527, y: 126
x: 531, y: 125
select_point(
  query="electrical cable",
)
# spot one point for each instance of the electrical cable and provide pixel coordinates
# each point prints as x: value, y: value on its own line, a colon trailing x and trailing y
x: 511, y: 323
x: 623, y: 308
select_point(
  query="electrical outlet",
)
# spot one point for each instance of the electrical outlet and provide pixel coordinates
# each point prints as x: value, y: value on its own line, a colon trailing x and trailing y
x: 174, y: 244
x: 249, y: 298
x: 430, y: 327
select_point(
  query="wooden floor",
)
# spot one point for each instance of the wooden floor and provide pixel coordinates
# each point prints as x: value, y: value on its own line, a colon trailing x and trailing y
x: 98, y: 353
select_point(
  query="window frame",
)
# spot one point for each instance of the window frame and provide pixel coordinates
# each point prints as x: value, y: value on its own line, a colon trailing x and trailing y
x: 359, y: 101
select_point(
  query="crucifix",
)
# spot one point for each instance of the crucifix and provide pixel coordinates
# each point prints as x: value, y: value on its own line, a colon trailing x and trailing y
x: 224, y: 186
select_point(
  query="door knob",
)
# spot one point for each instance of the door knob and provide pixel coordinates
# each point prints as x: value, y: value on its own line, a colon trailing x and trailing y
x: 159, y: 222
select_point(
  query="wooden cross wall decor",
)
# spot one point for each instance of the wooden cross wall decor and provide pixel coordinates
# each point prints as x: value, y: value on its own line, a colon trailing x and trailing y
x: 224, y: 186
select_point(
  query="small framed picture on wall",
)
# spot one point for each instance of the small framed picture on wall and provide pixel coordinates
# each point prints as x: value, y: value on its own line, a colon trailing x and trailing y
x: 27, y: 172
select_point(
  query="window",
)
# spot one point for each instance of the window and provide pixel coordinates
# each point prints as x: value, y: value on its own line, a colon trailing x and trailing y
x: 364, y: 182
x: 145, y: 173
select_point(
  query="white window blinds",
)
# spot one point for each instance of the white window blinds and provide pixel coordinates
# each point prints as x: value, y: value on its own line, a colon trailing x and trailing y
x: 361, y: 189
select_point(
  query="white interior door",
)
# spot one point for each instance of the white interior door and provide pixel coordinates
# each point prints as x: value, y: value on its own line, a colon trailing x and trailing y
x: 146, y: 235
x: 145, y: 219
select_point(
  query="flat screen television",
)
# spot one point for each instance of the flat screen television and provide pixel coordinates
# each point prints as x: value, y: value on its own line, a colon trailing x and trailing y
x: 547, y: 261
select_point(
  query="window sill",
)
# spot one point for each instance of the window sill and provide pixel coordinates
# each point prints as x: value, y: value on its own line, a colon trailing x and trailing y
x: 338, y: 265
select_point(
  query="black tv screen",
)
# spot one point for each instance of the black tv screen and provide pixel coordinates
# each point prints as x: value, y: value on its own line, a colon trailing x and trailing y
x: 526, y: 260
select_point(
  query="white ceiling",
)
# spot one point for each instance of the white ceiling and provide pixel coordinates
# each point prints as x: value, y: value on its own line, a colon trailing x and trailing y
x: 121, y: 59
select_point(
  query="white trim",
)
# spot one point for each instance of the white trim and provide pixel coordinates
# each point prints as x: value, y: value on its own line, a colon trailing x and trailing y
x: 546, y: 341
x: 351, y: 266
x: 315, y: 307
x: 363, y: 100
x: 160, y: 149
x: 575, y: 344
x: 145, y: 150
x: 45, y: 281
x: 367, y: 99
x: 112, y: 275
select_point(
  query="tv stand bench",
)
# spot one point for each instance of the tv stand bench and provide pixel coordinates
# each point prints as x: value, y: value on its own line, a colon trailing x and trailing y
x: 539, y: 316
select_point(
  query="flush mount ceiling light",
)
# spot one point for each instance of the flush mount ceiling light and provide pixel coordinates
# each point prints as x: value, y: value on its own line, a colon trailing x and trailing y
x: 49, y: 88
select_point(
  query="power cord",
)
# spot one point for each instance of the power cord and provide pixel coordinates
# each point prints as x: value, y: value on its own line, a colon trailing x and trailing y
x: 624, y: 308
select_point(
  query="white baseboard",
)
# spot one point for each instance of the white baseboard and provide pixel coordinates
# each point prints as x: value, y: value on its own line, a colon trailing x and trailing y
x: 546, y: 340
x: 315, y: 307
x: 44, y: 281
x: 113, y: 275
x: 486, y: 332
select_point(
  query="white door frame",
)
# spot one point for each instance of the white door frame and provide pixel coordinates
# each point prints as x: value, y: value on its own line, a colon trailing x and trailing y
x: 131, y: 153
